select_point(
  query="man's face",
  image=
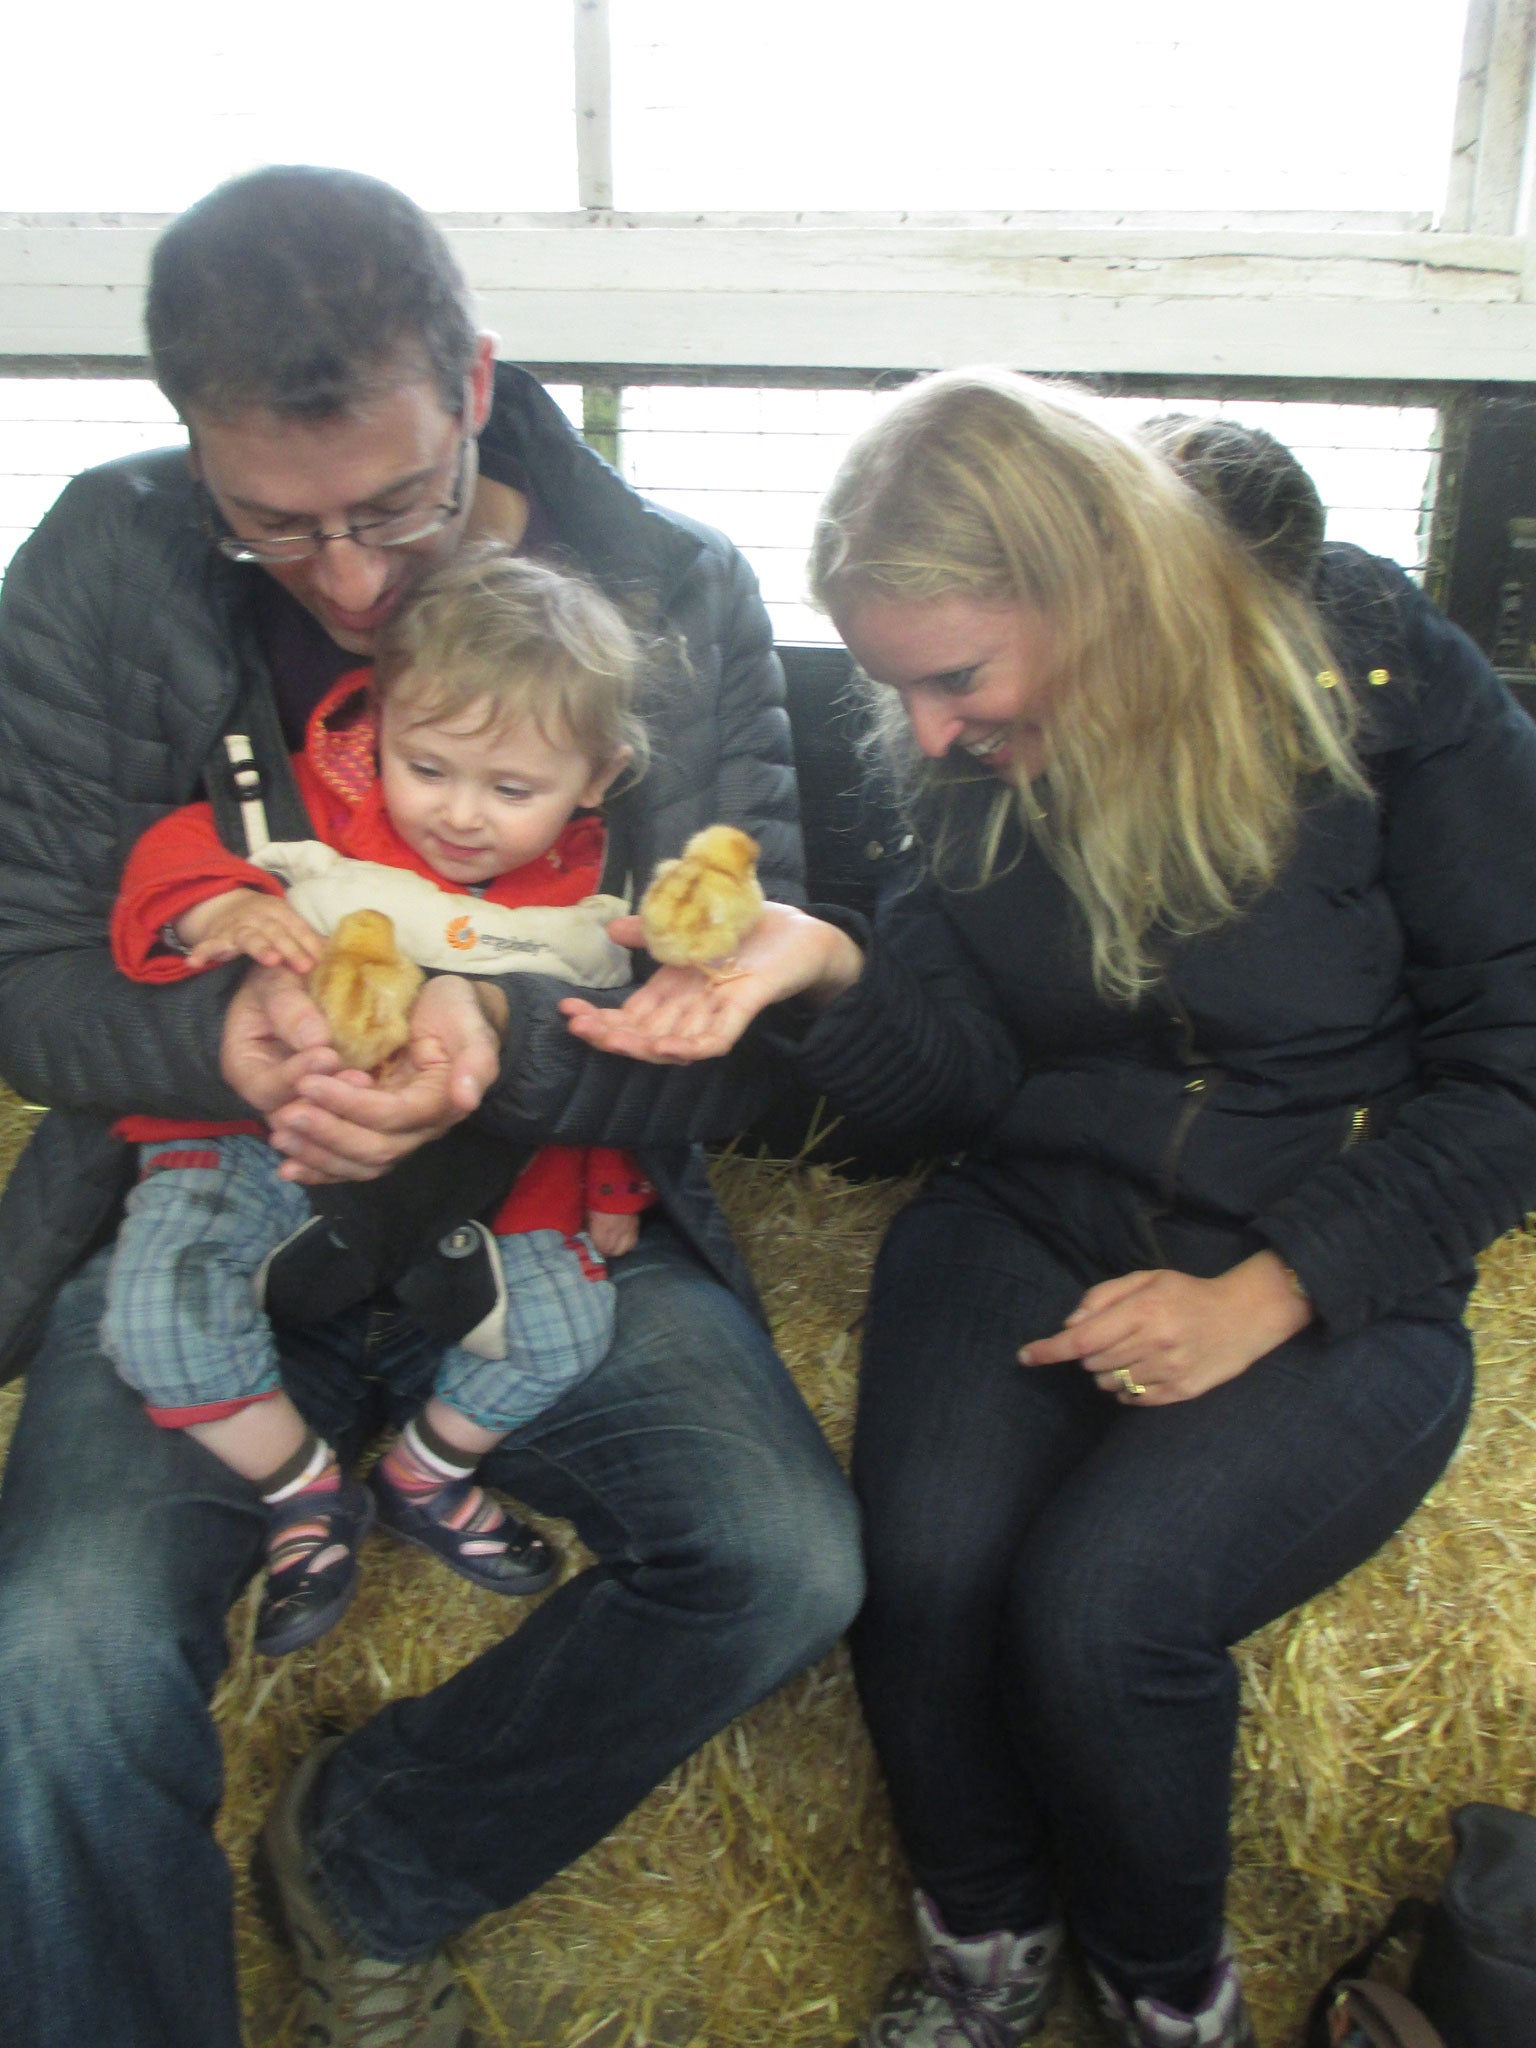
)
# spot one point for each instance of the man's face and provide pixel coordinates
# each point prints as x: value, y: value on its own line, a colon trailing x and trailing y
x: 270, y: 476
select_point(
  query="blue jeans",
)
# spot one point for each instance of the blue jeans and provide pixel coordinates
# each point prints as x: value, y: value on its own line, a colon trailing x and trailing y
x: 727, y: 1558
x: 1055, y: 1581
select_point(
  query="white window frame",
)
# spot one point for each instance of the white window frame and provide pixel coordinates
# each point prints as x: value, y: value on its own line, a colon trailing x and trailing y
x: 1346, y: 297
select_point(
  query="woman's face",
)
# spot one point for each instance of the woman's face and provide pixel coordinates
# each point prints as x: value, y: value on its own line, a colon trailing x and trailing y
x: 969, y: 675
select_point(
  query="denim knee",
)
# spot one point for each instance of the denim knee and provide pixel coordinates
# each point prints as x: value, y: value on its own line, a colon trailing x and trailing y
x: 97, y: 1692
x: 1094, y: 1636
x: 778, y: 1560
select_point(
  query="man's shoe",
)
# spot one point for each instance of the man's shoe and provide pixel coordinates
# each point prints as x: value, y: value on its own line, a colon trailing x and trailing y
x: 976, y: 1991
x: 521, y: 1562
x: 348, y: 2000
x: 299, y: 1603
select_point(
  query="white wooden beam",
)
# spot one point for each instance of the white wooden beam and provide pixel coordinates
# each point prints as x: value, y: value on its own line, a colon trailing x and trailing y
x: 1349, y: 301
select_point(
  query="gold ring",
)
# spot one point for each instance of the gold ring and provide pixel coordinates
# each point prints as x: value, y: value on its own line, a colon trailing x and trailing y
x: 1127, y: 1382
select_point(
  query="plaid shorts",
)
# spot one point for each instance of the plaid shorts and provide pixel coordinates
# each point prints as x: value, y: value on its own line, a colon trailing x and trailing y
x: 183, y: 1328
x: 560, y: 1307
x: 181, y: 1323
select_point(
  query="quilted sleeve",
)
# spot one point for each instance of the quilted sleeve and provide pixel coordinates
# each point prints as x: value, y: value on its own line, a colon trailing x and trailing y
x: 98, y: 673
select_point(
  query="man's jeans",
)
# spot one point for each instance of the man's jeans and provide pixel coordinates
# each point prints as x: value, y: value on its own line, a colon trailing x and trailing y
x: 1055, y: 1579
x: 728, y: 1558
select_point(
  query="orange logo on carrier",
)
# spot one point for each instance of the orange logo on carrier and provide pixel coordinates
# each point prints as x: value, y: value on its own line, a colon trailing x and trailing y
x: 461, y: 934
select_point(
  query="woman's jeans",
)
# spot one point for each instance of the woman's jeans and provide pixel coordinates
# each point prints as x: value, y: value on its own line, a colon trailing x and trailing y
x: 1055, y: 1580
x: 727, y: 1558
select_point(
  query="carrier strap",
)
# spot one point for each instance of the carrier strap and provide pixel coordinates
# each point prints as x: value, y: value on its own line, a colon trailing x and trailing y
x: 249, y: 781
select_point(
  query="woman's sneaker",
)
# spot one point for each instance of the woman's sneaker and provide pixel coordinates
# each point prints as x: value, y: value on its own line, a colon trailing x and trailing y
x: 1221, y: 2020
x: 978, y: 1991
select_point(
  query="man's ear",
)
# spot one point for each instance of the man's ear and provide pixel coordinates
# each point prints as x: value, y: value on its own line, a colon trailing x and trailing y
x: 482, y: 380
x: 604, y: 778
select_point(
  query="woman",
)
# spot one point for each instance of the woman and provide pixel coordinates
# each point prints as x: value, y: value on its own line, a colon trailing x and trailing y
x: 1217, y: 989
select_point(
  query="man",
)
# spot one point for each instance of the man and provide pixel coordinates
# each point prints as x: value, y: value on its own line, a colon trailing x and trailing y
x: 348, y: 426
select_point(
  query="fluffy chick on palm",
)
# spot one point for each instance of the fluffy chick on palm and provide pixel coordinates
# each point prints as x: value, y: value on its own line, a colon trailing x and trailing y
x: 700, y: 907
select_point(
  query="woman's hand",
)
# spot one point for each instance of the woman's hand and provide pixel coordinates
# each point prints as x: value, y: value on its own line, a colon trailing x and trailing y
x: 1151, y: 1339
x: 684, y: 1014
x: 335, y: 1126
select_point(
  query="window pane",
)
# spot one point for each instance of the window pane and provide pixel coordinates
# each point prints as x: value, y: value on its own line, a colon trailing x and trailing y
x: 753, y: 462
x: 123, y: 109
x: 53, y: 427
x: 1016, y: 104
x: 756, y: 463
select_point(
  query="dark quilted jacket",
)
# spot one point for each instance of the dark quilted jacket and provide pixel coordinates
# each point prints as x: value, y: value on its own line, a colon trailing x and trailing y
x: 124, y: 642
x: 1347, y: 1073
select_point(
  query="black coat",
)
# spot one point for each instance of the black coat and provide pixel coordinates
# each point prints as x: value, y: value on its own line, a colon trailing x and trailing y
x: 125, y: 640
x: 1346, y: 1073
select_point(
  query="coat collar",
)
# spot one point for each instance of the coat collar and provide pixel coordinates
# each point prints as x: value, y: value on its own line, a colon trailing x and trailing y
x: 636, y: 552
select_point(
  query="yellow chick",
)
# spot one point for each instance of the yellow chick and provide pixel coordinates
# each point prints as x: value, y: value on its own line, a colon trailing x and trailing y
x: 365, y: 986
x: 700, y: 907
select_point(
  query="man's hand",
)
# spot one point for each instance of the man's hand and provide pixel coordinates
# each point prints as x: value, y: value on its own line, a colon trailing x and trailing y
x: 274, y: 1038
x: 1174, y: 1336
x: 348, y: 1126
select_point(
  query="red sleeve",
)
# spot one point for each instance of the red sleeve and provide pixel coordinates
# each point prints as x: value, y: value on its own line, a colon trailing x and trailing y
x: 615, y: 1184
x: 177, y: 863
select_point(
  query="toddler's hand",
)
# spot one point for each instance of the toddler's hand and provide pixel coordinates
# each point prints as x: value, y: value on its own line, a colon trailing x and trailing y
x: 613, y: 1235
x: 248, y: 923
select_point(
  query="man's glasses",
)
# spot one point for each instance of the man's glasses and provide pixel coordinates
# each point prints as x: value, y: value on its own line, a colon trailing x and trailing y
x: 395, y: 530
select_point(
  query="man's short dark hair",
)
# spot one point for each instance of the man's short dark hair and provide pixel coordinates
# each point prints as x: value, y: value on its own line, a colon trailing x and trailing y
x: 298, y: 290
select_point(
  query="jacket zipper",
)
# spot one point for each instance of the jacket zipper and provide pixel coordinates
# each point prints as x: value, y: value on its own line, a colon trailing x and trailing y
x: 1359, y: 1127
x: 1196, y: 1094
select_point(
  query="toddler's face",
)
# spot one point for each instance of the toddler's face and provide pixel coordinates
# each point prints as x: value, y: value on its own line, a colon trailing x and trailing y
x: 477, y: 802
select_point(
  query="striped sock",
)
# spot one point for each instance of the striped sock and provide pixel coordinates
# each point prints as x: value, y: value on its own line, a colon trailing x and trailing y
x: 312, y: 1470
x: 430, y: 1472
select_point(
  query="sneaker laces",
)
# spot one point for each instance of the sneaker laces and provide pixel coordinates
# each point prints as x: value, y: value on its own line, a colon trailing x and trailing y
x: 385, y: 2005
x: 966, y: 2024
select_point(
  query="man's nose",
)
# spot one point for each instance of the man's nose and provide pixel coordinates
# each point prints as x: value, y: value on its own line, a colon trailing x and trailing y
x: 349, y: 576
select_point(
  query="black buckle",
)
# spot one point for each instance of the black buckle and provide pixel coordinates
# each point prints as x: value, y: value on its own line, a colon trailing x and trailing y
x: 245, y: 782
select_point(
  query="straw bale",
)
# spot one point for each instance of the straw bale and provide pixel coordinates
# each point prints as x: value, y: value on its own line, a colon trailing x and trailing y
x: 758, y: 1895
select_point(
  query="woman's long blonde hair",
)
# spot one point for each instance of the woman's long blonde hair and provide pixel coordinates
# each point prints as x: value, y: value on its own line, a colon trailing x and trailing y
x: 1186, y: 702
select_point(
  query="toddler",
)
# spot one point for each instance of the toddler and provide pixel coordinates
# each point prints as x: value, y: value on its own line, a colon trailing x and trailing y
x: 471, y: 760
